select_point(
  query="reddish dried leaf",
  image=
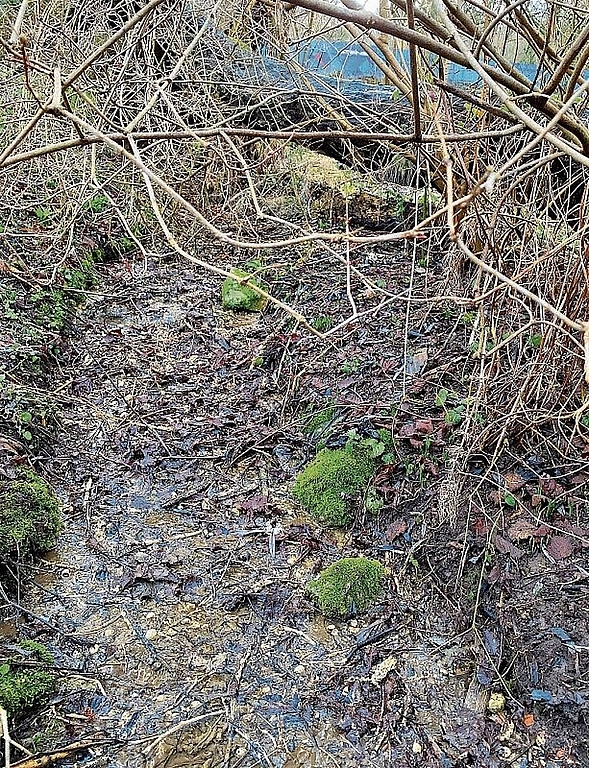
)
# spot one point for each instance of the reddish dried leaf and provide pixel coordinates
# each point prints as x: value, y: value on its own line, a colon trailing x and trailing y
x: 551, y: 488
x: 417, y: 387
x: 496, y: 497
x: 424, y: 426
x: 479, y: 527
x: 560, y: 547
x: 255, y: 504
x: 495, y: 574
x: 575, y: 530
x: 347, y: 382
x: 396, y: 528
x: 541, y: 531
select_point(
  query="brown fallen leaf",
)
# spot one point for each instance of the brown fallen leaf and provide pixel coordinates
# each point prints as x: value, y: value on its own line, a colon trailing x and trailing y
x: 395, y: 529
x: 505, y: 547
x: 513, y: 481
x: 560, y: 547
x: 522, y: 529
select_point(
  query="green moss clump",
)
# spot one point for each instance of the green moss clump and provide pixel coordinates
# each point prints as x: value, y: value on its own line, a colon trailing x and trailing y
x: 83, y: 276
x: 23, y: 687
x: 347, y: 587
x: 328, y: 485
x: 238, y: 296
x: 29, y: 515
x: 38, y: 650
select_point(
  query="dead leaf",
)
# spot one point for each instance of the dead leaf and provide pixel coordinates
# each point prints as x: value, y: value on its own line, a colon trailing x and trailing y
x: 395, y: 529
x: 560, y: 547
x: 513, y: 481
x: 417, y: 387
x: 257, y: 503
x: 522, y: 529
x: 528, y: 720
x: 551, y: 488
x: 505, y: 547
x: 480, y: 527
x: 541, y: 531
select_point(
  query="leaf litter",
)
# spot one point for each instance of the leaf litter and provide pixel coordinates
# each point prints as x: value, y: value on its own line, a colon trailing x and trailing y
x: 184, y: 560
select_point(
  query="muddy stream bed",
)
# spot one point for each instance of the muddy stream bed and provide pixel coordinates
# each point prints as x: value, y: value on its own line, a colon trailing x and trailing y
x: 179, y: 580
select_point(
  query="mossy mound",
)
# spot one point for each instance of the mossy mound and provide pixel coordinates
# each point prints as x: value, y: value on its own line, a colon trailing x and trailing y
x: 24, y: 687
x: 237, y: 294
x: 29, y: 516
x: 347, y: 587
x: 328, y: 486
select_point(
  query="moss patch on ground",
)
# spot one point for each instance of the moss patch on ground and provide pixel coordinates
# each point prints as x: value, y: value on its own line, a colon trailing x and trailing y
x: 237, y: 295
x: 347, y: 587
x: 54, y: 306
x: 23, y: 687
x: 29, y: 516
x: 330, y: 484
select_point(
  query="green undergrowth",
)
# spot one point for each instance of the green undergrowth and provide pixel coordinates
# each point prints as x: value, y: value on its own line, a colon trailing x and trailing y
x: 333, y: 481
x: 347, y: 587
x: 55, y: 305
x: 25, y: 681
x: 237, y: 296
x: 29, y: 516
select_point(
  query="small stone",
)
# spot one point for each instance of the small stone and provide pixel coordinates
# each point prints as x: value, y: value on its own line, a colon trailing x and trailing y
x: 292, y: 560
x: 300, y: 669
x: 266, y: 689
x: 416, y: 748
x: 496, y: 703
x: 151, y: 634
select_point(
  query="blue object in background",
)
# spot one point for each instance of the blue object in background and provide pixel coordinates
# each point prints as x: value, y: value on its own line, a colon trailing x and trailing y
x: 349, y: 61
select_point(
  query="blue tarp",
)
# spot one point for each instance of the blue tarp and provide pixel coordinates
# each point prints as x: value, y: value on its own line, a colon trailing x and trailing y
x: 350, y: 62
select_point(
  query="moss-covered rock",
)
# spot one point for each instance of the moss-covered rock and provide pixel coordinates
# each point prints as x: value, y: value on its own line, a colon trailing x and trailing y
x: 347, y: 587
x: 237, y: 294
x: 23, y: 687
x: 329, y: 485
x: 29, y: 516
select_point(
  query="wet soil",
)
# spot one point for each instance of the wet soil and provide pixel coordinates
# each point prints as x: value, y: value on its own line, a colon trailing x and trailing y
x: 178, y: 587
